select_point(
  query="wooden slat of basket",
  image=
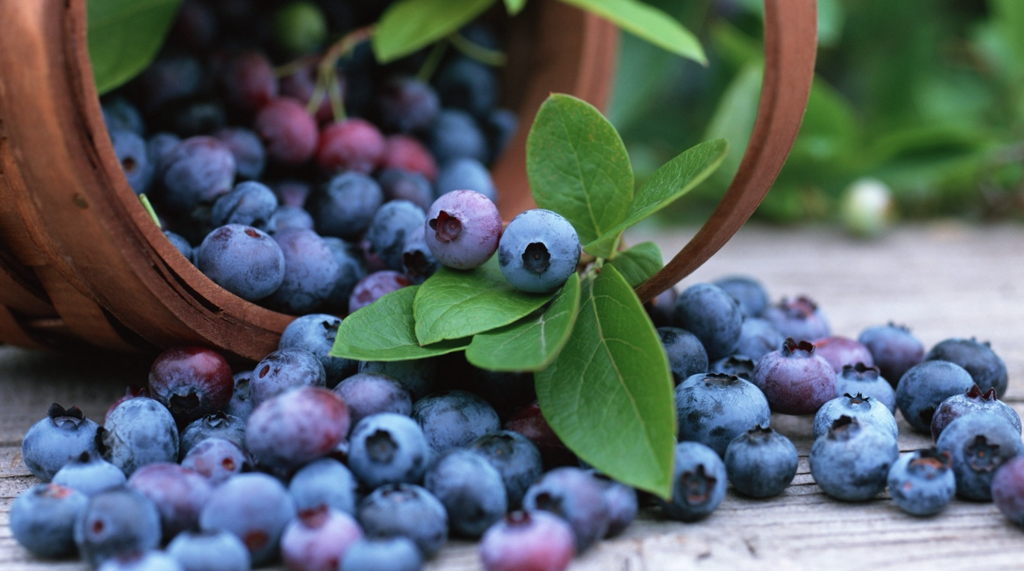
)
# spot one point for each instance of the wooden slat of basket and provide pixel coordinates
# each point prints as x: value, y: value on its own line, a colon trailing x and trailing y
x: 80, y: 313
x: 12, y: 333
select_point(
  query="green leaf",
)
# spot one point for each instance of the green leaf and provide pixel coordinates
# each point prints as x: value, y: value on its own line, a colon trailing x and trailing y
x: 578, y: 167
x: 733, y: 120
x: 453, y: 304
x: 670, y: 182
x: 639, y: 263
x: 609, y: 394
x: 385, y: 331
x: 124, y: 36
x: 648, y: 23
x: 532, y: 343
x: 513, y: 7
x: 412, y: 24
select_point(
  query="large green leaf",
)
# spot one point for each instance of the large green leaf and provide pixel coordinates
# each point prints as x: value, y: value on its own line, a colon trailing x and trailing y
x: 578, y: 167
x: 513, y: 7
x: 384, y: 331
x: 638, y: 263
x: 648, y: 23
x: 533, y: 343
x: 124, y: 36
x: 608, y: 395
x: 734, y: 118
x: 453, y: 304
x: 670, y: 182
x: 409, y: 25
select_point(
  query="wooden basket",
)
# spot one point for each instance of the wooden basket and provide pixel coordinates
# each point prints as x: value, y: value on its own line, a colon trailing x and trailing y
x: 82, y: 265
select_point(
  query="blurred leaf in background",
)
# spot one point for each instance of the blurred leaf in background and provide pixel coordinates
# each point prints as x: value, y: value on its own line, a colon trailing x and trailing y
x: 924, y: 95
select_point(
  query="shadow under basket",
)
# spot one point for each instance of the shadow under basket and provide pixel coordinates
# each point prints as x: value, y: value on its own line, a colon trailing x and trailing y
x: 82, y: 265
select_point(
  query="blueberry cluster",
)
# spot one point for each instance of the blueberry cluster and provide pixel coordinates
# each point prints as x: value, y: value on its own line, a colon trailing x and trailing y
x: 736, y: 359
x: 289, y: 166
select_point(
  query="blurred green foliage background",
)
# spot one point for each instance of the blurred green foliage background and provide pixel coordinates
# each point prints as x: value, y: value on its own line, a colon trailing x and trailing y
x: 925, y: 95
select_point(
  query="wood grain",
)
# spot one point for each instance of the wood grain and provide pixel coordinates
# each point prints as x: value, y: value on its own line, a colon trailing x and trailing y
x: 944, y: 280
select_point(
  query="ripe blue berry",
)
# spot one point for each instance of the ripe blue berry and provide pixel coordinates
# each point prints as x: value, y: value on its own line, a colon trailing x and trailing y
x: 139, y: 431
x: 698, y: 482
x: 131, y: 153
x: 375, y: 286
x: 283, y: 370
x: 310, y: 272
x: 758, y: 337
x: 246, y: 147
x: 384, y: 554
x: 391, y: 224
x: 894, y: 349
x: 713, y: 409
x: 115, y: 522
x: 405, y: 510
x: 373, y: 393
x: 537, y: 541
x: 418, y: 262
x: 978, y: 359
x: 217, y: 460
x: 56, y: 440
x: 467, y: 84
x: 851, y: 462
x: 750, y: 293
x: 388, y: 448
x: 686, y: 354
x: 178, y: 493
x: 315, y: 333
x: 865, y: 409
x: 923, y: 388
x: 794, y: 379
x: 240, y: 404
x: 89, y: 474
x: 216, y: 425
x: 350, y: 259
x: 324, y: 483
x: 515, y: 457
x: 419, y: 377
x: 453, y: 419
x: 798, y: 318
x: 462, y: 229
x: 711, y: 314
x: 399, y: 184
x: 296, y: 427
x: 622, y: 503
x: 865, y: 380
x: 141, y: 561
x: 318, y: 539
x: 248, y: 204
x: 455, y: 134
x: 761, y: 462
x: 42, y: 519
x: 470, y: 489
x: 576, y: 496
x: 408, y: 104
x: 465, y: 174
x: 209, y: 551
x: 921, y: 483
x: 973, y: 401
x: 196, y: 171
x: 1008, y: 489
x: 735, y: 365
x: 978, y: 445
x: 255, y: 508
x: 538, y: 251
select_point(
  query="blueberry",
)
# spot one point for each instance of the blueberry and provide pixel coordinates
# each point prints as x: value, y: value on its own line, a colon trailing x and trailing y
x: 758, y: 337
x: 972, y: 401
x: 375, y: 286
x: 196, y: 171
x: 353, y: 268
x: 921, y: 483
x: 794, y: 379
x: 865, y: 409
x: 1008, y: 489
x: 302, y: 84
x: 209, y: 551
x: 750, y: 293
x: 217, y: 460
x: 894, y: 349
x: 686, y: 354
x: 984, y: 366
x: 576, y: 496
x: 391, y: 224
x: 195, y: 27
x: 978, y: 445
x: 248, y: 82
x: 398, y: 184
x: 166, y: 79
x: 462, y: 229
x: 115, y: 522
x: 283, y: 370
x: 291, y: 192
x: 840, y: 351
x: 407, y: 104
x: 42, y: 519
x: 419, y: 377
x: 246, y: 147
x: 130, y: 149
x: 538, y: 251
x: 506, y: 391
x: 622, y: 503
x: 240, y: 404
x: 310, y: 272
x: 250, y: 203
x: 405, y: 510
x: 386, y: 554
x: 216, y: 425
x: 711, y: 314
x: 56, y: 440
x: 191, y: 382
x: 388, y: 448
x: 467, y: 84
x: 536, y: 540
x: 192, y: 116
x: 713, y: 409
x: 318, y: 539
x: 180, y: 243
x: 736, y: 365
x: 761, y: 462
x: 139, y: 431
x: 296, y: 427
x: 289, y: 133
x: 418, y: 262
x: 515, y: 457
x: 119, y: 114
x: 798, y: 318
x: 243, y: 260
x: 324, y: 483
x: 158, y: 150
x: 290, y: 218
x: 923, y: 388
x: 454, y: 134
x: 89, y: 474
x: 372, y: 393
x: 471, y: 490
x: 499, y: 127
x: 141, y: 561
x: 255, y: 508
x: 698, y: 482
x: 131, y: 392
x: 858, y: 378
x: 345, y: 207
x: 315, y: 333
x: 465, y: 174
x: 453, y: 419
x: 529, y: 422
x: 851, y: 462
x: 178, y: 493
x: 352, y: 145
x: 408, y: 154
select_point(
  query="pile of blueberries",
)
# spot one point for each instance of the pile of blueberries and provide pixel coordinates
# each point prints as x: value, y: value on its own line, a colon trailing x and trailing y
x: 337, y: 465
x: 286, y: 206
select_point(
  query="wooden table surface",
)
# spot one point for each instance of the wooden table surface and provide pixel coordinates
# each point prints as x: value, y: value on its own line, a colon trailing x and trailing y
x: 943, y: 280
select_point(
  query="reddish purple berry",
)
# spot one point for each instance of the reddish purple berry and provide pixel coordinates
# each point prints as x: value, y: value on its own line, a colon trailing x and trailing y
x: 408, y: 154
x: 350, y: 145
x: 840, y: 351
x: 248, y: 82
x: 529, y: 422
x: 216, y: 460
x: 798, y: 318
x: 794, y: 379
x: 463, y: 228
x: 523, y: 541
x: 287, y: 130
x: 178, y: 493
x: 191, y: 381
x: 894, y: 350
x: 970, y: 402
x: 375, y: 286
x: 1008, y: 490
x: 296, y: 427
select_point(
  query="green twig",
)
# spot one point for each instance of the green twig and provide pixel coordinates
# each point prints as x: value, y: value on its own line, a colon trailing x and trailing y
x: 149, y: 209
x: 494, y: 58
x: 432, y: 62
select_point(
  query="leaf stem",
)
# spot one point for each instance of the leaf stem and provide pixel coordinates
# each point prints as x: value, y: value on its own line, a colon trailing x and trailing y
x: 432, y: 62
x: 149, y: 209
x: 327, y: 72
x: 493, y: 58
